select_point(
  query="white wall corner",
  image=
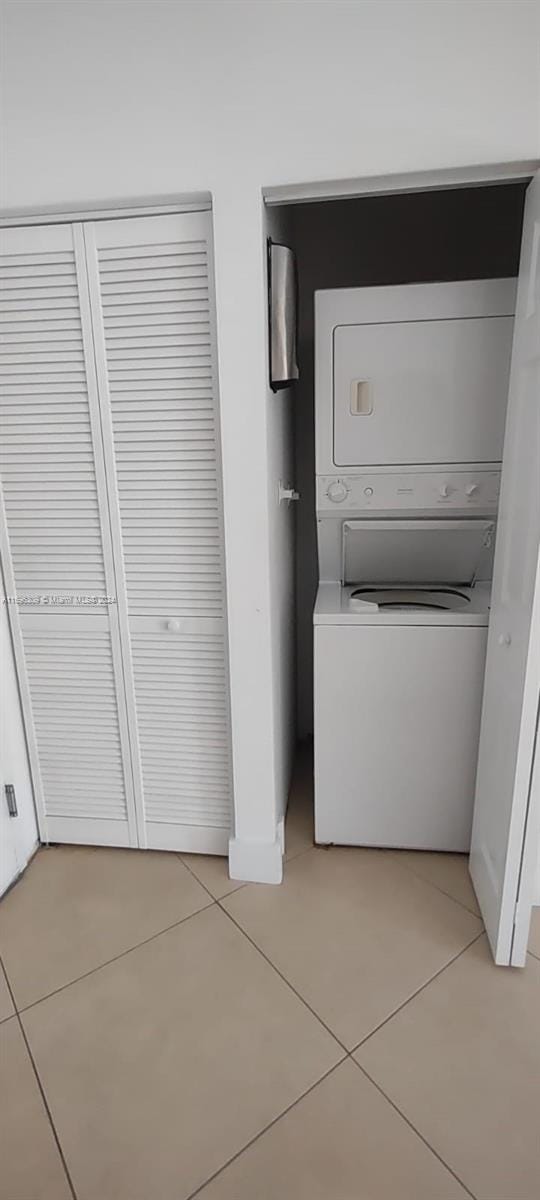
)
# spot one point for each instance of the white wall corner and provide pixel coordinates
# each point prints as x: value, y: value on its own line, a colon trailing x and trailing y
x: 256, y: 862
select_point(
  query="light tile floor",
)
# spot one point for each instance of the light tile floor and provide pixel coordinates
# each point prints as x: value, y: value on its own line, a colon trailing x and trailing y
x: 166, y: 1032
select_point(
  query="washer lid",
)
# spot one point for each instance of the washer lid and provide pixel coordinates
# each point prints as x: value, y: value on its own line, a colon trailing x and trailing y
x: 415, y: 552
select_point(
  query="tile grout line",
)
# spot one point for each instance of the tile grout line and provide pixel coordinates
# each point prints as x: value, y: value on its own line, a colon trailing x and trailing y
x: 40, y: 1088
x: 216, y: 902
x: 315, y: 1013
x: 261, y: 1132
x: 348, y: 1055
x: 395, y: 856
x: 414, y: 1129
x: 277, y: 971
x: 283, y: 978
x: 288, y: 858
x: 418, y: 992
x: 391, y: 853
x: 3, y: 975
x: 213, y: 900
x: 241, y: 884
x: 448, y: 895
x: 109, y: 961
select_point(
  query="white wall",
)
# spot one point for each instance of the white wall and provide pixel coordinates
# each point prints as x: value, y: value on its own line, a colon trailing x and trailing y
x: 119, y: 99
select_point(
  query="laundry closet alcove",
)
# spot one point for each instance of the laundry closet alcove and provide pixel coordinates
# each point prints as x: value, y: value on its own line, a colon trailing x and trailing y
x: 112, y: 528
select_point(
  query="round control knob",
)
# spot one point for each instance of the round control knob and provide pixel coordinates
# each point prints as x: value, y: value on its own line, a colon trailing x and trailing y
x: 444, y: 490
x: 368, y: 491
x: 471, y: 489
x: 173, y: 625
x: 505, y: 639
x: 337, y: 491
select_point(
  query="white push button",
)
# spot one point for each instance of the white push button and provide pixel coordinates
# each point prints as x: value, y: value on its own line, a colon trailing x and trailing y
x: 173, y: 625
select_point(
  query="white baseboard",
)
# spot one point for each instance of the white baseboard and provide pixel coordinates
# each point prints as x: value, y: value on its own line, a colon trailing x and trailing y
x: 256, y: 862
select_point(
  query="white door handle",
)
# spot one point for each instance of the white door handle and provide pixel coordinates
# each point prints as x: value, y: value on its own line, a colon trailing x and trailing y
x: 505, y: 639
x: 173, y: 625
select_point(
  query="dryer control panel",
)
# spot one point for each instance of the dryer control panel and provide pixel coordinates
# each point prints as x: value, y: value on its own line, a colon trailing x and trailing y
x: 435, y: 491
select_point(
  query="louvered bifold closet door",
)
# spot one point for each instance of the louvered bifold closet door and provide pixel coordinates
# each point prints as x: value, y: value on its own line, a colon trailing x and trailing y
x: 56, y: 551
x: 152, y: 302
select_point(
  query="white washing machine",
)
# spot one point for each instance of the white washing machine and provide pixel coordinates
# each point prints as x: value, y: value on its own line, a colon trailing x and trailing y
x: 411, y: 387
x: 399, y: 673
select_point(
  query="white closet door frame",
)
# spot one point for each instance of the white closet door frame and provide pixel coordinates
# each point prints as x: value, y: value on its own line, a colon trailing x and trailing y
x: 53, y: 828
x: 52, y: 214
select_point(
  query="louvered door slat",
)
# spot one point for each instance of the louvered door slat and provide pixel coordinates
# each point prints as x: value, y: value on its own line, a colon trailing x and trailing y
x: 152, y: 303
x: 56, y: 561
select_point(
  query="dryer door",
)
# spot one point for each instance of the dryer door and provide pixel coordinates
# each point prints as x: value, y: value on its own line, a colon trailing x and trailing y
x: 421, y: 391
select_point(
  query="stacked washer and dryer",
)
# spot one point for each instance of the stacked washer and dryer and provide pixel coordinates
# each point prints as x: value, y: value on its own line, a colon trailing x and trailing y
x: 411, y: 390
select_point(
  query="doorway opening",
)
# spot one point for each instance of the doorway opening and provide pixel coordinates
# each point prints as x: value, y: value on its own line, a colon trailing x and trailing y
x: 425, y: 237
x: 437, y: 235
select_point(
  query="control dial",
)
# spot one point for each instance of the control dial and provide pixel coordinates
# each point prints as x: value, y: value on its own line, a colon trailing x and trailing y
x: 337, y: 491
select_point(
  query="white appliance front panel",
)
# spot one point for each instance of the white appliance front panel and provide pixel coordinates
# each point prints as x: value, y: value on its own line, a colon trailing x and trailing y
x: 421, y: 391
x: 425, y: 491
x: 397, y: 715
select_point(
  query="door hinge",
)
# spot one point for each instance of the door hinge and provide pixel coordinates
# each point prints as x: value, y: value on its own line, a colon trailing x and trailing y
x: 11, y: 800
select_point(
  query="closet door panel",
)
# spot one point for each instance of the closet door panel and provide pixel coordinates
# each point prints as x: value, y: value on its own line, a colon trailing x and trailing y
x: 181, y: 693
x: 56, y: 550
x: 152, y: 300
x: 47, y: 455
x: 163, y: 407
x: 70, y: 664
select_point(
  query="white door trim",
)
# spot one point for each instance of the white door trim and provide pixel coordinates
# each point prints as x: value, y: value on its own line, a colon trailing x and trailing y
x: 413, y: 181
x: 107, y: 210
